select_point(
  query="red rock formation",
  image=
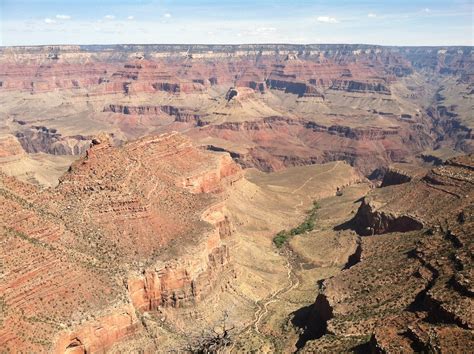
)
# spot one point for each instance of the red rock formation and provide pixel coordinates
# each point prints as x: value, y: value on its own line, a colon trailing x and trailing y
x: 273, y: 142
x: 315, y: 83
x: 101, y: 334
x: 119, y: 216
x: 10, y: 147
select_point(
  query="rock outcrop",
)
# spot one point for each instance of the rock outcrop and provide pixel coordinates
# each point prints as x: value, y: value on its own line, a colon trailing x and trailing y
x: 10, y: 147
x: 423, y: 305
x: 124, y: 236
x: 371, y: 94
x: 402, y: 173
x: 42, y: 139
x: 271, y: 141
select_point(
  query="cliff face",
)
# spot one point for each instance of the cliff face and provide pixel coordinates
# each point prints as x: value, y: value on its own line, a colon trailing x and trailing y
x: 124, y: 235
x: 41, y: 139
x: 422, y: 307
x: 136, y: 242
x: 346, y: 67
x: 370, y: 220
x: 278, y: 142
x: 368, y: 99
x: 100, y: 334
x: 395, y: 176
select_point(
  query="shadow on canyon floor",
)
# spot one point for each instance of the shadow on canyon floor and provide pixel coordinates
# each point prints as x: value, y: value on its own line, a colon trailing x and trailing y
x: 308, y: 328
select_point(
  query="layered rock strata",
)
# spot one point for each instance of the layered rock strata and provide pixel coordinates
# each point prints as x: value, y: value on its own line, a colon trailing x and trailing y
x: 123, y: 234
x: 410, y: 289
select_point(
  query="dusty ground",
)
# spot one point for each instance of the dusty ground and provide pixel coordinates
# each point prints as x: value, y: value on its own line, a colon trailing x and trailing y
x: 300, y: 267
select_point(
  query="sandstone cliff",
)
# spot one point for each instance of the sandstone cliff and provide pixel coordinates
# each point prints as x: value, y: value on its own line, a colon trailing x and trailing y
x: 124, y: 235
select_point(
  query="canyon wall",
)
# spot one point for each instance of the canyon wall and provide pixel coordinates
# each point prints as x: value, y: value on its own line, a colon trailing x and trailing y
x: 369, y: 98
x: 422, y: 307
x: 124, y: 236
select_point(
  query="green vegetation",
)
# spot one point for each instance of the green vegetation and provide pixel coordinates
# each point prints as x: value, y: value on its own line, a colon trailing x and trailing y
x: 307, y: 225
x: 27, y: 238
x: 280, y: 238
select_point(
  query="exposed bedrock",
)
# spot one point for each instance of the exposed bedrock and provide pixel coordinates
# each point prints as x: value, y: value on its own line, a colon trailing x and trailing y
x: 297, y: 88
x: 177, y: 285
x: 41, y: 139
x: 402, y: 173
x: 362, y: 87
x: 10, y: 147
x: 180, y: 114
x: 394, y: 176
x: 138, y: 110
x: 129, y: 229
x: 450, y: 126
x: 371, y: 221
x: 278, y: 142
x: 184, y: 282
x: 101, y: 334
x: 420, y: 280
x: 215, y: 180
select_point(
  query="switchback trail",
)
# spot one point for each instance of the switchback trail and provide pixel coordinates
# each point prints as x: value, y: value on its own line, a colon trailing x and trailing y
x: 262, y: 305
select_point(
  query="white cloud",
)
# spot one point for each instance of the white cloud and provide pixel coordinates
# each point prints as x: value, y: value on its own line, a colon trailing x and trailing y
x: 167, y: 15
x: 109, y: 17
x: 427, y: 10
x: 49, y: 21
x: 266, y: 29
x: 372, y: 15
x: 63, y: 17
x: 130, y: 18
x: 327, y: 19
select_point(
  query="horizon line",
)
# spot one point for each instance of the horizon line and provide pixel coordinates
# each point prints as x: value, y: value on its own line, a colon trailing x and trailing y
x: 241, y: 44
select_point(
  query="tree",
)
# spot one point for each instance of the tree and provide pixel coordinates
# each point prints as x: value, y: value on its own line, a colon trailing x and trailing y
x: 211, y: 341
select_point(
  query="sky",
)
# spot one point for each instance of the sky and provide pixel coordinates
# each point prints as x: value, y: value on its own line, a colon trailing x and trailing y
x: 390, y: 22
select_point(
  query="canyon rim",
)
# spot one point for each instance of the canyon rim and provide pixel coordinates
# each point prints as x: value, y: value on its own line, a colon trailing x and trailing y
x: 235, y: 198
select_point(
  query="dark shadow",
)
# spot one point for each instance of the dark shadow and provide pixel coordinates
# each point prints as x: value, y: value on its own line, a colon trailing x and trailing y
x: 348, y: 225
x: 312, y: 321
x: 355, y: 257
x: 309, y: 328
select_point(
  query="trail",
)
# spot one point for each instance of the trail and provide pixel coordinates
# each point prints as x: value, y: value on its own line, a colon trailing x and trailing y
x: 263, y: 304
x: 273, y: 298
x: 293, y: 280
x: 311, y: 178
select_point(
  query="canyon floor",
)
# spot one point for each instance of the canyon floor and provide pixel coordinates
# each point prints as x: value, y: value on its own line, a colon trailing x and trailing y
x: 253, y: 198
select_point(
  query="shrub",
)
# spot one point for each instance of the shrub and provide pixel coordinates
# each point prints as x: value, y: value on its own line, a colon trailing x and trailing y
x: 307, y: 225
x: 280, y: 238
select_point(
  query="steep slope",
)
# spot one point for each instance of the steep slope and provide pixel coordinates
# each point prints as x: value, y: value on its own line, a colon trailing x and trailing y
x: 126, y: 230
x: 410, y: 288
x: 146, y: 245
x: 271, y: 106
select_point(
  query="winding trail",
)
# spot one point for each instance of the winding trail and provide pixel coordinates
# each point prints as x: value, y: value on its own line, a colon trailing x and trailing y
x: 259, y: 314
x: 263, y: 304
x: 311, y: 178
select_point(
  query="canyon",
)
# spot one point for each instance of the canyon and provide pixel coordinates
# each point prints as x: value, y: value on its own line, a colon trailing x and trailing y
x: 371, y: 106
x: 142, y: 188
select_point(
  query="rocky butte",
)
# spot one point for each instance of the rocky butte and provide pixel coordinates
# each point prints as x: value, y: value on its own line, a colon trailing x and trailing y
x: 368, y: 105
x: 239, y: 198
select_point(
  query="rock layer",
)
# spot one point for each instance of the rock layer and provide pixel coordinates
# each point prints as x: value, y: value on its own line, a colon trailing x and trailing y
x: 119, y: 216
x: 423, y: 305
x: 369, y: 98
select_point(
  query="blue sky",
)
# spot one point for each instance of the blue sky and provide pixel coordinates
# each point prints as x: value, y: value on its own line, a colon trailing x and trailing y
x: 402, y: 22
